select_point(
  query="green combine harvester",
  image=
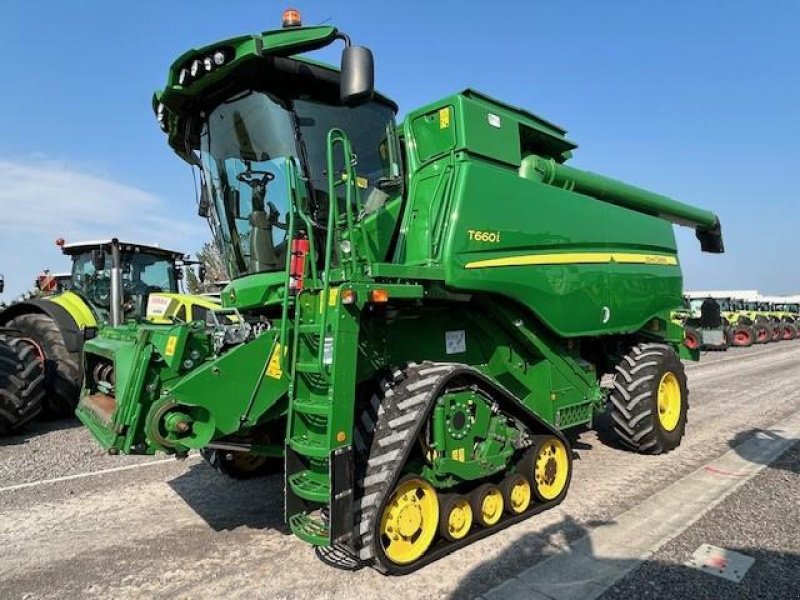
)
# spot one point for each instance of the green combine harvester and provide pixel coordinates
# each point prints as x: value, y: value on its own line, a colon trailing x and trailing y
x: 418, y: 313
x: 70, y: 312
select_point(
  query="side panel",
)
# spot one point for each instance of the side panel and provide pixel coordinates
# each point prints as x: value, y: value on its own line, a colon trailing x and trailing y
x: 583, y: 266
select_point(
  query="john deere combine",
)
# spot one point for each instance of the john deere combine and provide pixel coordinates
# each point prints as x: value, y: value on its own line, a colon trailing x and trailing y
x: 421, y: 310
x: 59, y: 322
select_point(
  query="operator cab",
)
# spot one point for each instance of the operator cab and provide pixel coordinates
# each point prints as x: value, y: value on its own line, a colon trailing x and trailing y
x: 144, y: 269
x: 257, y: 124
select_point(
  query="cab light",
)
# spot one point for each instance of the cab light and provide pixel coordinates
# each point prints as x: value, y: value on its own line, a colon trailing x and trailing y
x: 291, y: 18
x: 379, y: 296
x: 348, y: 296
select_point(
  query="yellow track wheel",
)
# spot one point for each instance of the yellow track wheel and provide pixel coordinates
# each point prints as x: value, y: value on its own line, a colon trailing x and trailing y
x: 455, y: 520
x: 516, y: 493
x: 487, y: 504
x: 551, y: 467
x: 409, y: 521
x: 669, y: 401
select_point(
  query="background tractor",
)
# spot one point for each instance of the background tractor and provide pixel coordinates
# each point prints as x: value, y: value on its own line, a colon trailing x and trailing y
x: 69, y: 312
x: 417, y: 312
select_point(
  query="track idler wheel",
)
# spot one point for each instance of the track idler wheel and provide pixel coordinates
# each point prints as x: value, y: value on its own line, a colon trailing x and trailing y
x: 487, y: 504
x: 549, y: 466
x: 409, y: 521
x: 516, y: 493
x: 456, y: 517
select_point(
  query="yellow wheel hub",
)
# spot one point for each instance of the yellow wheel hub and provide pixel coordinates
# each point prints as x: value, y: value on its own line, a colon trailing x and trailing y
x: 459, y: 521
x: 669, y: 401
x: 409, y: 521
x: 492, y: 507
x: 520, y: 496
x: 551, y: 469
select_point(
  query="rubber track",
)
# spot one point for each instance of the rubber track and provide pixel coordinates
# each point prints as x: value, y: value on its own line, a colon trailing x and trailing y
x: 631, y: 396
x: 386, y: 432
x: 62, y: 372
x: 21, y: 383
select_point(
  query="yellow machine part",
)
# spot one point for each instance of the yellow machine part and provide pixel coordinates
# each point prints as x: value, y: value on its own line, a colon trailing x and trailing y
x: 76, y: 307
x: 162, y: 306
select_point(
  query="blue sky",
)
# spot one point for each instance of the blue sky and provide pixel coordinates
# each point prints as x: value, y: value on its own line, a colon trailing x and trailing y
x: 694, y: 99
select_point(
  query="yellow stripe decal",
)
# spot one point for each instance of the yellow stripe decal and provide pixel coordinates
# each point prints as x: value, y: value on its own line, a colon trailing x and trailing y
x: 575, y: 258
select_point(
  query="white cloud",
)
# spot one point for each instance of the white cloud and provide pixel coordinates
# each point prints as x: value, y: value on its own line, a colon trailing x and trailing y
x: 41, y: 200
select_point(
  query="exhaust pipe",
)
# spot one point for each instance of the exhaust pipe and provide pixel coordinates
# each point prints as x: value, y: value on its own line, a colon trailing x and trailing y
x: 116, y: 285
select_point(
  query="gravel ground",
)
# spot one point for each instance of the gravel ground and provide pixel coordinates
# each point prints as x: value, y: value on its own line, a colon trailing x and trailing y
x: 761, y: 520
x: 178, y: 530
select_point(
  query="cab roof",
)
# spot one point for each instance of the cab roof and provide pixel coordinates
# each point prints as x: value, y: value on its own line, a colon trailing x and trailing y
x: 81, y: 247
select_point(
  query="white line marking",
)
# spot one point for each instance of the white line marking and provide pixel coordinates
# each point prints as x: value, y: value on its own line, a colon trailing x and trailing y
x: 30, y: 484
x: 592, y: 564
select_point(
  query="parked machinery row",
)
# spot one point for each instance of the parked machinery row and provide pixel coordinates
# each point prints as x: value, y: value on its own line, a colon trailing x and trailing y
x: 716, y: 320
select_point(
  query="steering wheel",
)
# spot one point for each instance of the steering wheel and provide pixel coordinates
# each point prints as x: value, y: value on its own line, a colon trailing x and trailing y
x: 249, y: 177
x: 100, y: 290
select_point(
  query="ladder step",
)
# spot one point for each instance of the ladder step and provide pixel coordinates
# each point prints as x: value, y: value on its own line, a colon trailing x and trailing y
x: 308, y: 328
x: 312, y: 406
x: 310, y: 530
x: 308, y: 447
x: 306, y: 367
x: 310, y: 485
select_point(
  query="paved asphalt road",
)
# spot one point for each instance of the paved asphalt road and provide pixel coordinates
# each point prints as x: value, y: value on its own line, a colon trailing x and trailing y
x: 178, y: 530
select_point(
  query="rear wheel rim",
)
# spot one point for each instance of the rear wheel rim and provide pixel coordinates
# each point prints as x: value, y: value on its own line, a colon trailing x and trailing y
x: 669, y: 401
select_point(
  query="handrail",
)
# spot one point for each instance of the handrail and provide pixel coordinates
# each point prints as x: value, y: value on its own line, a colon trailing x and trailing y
x: 336, y: 137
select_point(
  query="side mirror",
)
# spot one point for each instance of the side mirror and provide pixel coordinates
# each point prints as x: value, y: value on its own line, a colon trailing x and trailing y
x: 99, y: 259
x: 357, y: 84
x: 204, y: 206
x: 201, y: 273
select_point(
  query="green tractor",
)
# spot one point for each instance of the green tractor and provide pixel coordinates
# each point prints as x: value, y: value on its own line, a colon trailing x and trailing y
x: 418, y: 313
x: 66, y: 313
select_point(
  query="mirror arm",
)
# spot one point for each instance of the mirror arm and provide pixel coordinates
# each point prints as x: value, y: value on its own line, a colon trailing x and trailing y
x: 344, y: 37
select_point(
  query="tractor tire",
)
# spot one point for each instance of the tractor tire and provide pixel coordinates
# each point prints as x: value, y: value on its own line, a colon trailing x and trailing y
x: 789, y: 331
x: 21, y: 383
x: 650, y: 400
x: 777, y: 332
x: 762, y: 333
x: 241, y: 465
x: 742, y: 336
x: 62, y: 372
x: 691, y: 338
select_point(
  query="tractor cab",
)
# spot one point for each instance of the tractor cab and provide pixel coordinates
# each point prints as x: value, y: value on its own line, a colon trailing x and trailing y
x: 143, y: 270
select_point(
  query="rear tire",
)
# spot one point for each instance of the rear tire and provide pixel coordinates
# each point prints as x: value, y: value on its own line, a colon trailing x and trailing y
x: 241, y: 465
x: 21, y: 383
x: 62, y: 373
x: 789, y: 331
x: 691, y: 338
x: 742, y: 336
x: 762, y: 331
x: 650, y: 400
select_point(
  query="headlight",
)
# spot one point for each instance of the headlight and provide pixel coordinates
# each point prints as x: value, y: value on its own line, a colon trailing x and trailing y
x: 219, y: 57
x: 183, y: 76
x: 208, y: 63
x: 195, y: 68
